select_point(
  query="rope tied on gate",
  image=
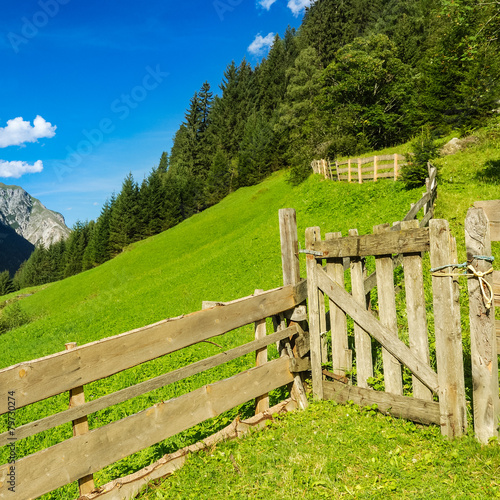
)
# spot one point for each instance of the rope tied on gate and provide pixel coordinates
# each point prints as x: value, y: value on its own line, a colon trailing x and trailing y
x: 472, y: 272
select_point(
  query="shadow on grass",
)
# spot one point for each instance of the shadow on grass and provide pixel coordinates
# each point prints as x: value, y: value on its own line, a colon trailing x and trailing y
x: 490, y: 172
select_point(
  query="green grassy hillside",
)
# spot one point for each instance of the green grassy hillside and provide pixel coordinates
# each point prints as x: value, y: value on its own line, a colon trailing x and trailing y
x: 221, y: 254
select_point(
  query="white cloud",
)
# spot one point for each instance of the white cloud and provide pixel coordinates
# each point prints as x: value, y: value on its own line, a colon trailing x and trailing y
x: 261, y: 44
x: 266, y: 4
x: 19, y: 131
x: 17, y: 168
x: 297, y: 6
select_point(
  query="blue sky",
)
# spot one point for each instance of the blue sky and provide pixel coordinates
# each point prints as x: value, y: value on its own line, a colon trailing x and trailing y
x: 93, y: 90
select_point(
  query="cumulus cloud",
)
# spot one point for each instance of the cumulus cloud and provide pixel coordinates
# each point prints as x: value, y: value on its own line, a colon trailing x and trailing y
x: 266, y: 4
x: 297, y: 6
x: 17, y: 168
x: 261, y: 44
x: 19, y: 131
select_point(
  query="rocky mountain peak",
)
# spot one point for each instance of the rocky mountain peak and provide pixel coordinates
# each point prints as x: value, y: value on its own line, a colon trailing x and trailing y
x: 30, y: 218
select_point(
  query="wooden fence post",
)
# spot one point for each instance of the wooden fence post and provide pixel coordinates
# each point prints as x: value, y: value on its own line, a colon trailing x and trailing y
x: 360, y: 173
x: 291, y: 276
x: 341, y: 354
x: 388, y: 316
x: 482, y: 329
x: 349, y: 176
x: 314, y: 234
x: 80, y: 426
x: 363, y: 342
x: 448, y: 333
x: 375, y: 169
x: 261, y: 402
x: 396, y: 173
x: 415, y: 311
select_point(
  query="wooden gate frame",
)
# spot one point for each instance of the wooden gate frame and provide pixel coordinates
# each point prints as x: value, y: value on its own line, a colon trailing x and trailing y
x: 448, y: 383
x: 482, y: 226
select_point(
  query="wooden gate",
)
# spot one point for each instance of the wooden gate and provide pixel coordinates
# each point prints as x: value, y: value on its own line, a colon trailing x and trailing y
x: 409, y: 242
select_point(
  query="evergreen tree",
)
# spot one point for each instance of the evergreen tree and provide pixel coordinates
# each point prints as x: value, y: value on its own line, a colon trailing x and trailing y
x: 6, y: 284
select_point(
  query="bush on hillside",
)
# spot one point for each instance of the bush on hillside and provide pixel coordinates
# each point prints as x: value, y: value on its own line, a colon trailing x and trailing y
x: 13, y: 317
x: 423, y: 150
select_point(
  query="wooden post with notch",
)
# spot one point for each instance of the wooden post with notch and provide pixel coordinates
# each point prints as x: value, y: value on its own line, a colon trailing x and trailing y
x: 314, y: 234
x: 291, y: 276
x: 482, y: 329
x: 388, y: 316
x: 363, y: 342
x: 80, y: 426
x: 448, y: 332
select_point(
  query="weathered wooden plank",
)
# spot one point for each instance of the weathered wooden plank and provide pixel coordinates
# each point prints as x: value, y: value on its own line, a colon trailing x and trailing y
x: 417, y: 410
x: 341, y: 355
x: 148, y: 385
x: 289, y: 246
x: 416, y: 312
x: 393, y: 242
x: 291, y: 276
x: 65, y: 462
x: 448, y: 333
x: 482, y: 331
x: 363, y: 343
x: 39, y: 379
x: 491, y: 209
x: 370, y: 324
x: 261, y: 402
x: 313, y: 234
x: 388, y: 316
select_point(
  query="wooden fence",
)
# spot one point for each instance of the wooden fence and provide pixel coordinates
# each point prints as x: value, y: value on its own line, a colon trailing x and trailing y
x: 87, y: 451
x: 361, y: 169
x: 389, y: 248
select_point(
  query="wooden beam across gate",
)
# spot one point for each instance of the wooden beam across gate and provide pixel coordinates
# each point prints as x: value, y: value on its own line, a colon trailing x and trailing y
x: 379, y: 332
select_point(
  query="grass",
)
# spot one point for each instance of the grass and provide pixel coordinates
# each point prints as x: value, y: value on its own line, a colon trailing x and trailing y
x: 345, y: 452
x: 221, y: 254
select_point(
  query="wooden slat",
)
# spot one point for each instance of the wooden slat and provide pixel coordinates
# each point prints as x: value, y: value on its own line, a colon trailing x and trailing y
x: 417, y: 410
x: 313, y: 234
x: 482, y: 331
x: 341, y: 354
x: 147, y: 386
x: 393, y: 379
x: 448, y: 333
x: 369, y: 323
x: 393, y: 242
x: 362, y: 340
x: 39, y: 379
x: 416, y: 312
x: 65, y: 462
x: 492, y: 210
x: 261, y: 402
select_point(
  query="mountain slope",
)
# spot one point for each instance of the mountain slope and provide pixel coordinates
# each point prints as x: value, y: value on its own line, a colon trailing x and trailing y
x: 14, y: 249
x: 30, y: 218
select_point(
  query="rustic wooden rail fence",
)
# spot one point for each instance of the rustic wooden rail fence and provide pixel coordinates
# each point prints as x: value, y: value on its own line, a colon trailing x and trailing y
x: 438, y: 395
x: 89, y: 451
x: 361, y: 169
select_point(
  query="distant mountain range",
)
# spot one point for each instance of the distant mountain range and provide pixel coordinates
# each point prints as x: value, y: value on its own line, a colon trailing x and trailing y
x: 25, y: 223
